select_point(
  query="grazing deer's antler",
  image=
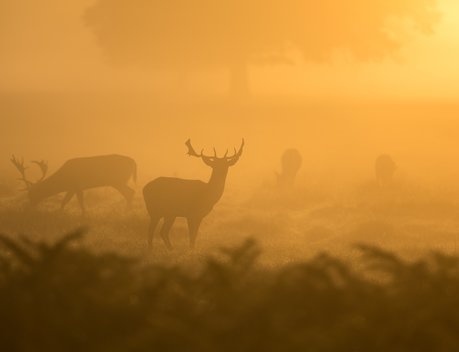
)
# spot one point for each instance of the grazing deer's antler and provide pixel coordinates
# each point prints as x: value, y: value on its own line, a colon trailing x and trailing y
x: 43, y: 167
x: 22, y: 169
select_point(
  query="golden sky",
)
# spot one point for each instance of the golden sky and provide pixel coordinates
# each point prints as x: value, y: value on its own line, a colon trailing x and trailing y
x: 48, y: 48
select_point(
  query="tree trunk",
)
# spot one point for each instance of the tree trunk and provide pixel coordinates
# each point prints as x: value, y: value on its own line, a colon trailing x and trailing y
x: 239, y: 80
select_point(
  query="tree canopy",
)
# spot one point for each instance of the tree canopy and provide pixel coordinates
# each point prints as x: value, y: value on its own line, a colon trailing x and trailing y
x: 232, y: 33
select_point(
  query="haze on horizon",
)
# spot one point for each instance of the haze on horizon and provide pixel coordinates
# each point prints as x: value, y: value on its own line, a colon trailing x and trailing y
x: 55, y: 75
x: 47, y: 47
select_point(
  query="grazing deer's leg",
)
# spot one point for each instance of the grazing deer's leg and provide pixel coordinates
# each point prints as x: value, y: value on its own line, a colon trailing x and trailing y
x: 168, y: 222
x: 193, y: 227
x: 67, y: 198
x: 81, y: 201
x: 127, y: 193
x: 151, y: 231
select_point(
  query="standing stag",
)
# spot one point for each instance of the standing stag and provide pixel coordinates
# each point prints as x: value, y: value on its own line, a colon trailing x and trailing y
x: 169, y: 198
x: 77, y: 175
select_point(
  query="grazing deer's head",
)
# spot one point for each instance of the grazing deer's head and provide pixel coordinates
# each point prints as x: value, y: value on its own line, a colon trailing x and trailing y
x: 31, y: 187
x: 216, y: 163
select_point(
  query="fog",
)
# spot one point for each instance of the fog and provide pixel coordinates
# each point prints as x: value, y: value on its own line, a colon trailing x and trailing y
x: 63, y: 97
x: 300, y: 157
x: 47, y: 46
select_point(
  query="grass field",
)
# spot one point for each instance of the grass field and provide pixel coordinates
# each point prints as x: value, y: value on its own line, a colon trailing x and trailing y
x: 375, y: 271
x: 336, y: 264
x: 288, y: 226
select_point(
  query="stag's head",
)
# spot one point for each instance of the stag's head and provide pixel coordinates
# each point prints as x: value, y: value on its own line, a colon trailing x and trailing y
x: 215, y: 162
x: 31, y: 187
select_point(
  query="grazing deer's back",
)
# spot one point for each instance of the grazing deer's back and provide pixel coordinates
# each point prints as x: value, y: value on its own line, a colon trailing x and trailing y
x: 98, y: 170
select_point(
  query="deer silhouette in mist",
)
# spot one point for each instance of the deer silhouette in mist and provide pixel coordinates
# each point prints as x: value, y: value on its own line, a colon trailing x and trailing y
x: 291, y: 163
x: 169, y: 198
x: 79, y: 174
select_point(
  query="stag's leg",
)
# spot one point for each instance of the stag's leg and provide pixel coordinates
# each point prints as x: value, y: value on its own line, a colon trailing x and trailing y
x: 127, y: 193
x: 193, y: 227
x: 151, y: 231
x: 168, y: 222
x: 81, y: 201
x: 67, y: 198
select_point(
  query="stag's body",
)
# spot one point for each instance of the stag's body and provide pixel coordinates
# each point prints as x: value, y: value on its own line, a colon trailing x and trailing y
x: 181, y: 198
x: 169, y: 198
x: 79, y: 174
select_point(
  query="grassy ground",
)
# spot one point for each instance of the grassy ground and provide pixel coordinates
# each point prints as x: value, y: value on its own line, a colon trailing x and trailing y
x: 106, y: 291
x: 289, y: 227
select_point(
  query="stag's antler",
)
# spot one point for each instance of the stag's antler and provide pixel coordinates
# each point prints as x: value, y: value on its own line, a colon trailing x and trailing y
x: 237, y: 153
x: 191, y: 151
x: 43, y: 167
x: 22, y: 169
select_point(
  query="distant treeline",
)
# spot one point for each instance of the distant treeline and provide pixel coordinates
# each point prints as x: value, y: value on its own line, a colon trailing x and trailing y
x: 63, y: 297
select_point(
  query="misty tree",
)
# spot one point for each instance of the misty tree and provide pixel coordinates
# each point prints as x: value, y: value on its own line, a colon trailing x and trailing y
x: 186, y: 35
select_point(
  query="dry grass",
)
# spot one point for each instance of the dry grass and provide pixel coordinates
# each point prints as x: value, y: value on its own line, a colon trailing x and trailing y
x: 289, y: 227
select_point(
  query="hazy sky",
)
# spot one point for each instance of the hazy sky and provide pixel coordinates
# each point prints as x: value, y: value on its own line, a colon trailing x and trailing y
x: 45, y: 46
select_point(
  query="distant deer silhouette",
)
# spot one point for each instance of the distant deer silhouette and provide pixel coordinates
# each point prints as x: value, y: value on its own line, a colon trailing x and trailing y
x: 384, y: 170
x: 169, y: 198
x: 77, y: 175
x: 291, y: 163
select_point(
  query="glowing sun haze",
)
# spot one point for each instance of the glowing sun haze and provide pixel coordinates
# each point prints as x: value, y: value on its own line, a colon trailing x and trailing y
x: 46, y: 46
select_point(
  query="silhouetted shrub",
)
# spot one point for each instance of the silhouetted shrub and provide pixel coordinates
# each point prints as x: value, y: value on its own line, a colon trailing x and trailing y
x: 62, y: 297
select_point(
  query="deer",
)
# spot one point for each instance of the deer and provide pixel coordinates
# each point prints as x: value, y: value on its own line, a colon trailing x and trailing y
x: 79, y: 174
x: 291, y: 163
x: 168, y: 197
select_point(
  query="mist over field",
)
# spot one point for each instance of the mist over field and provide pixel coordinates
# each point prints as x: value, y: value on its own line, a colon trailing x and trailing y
x: 326, y: 218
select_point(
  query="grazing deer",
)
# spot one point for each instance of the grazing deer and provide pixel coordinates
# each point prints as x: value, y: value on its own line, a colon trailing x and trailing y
x: 169, y: 198
x: 291, y: 163
x: 77, y: 175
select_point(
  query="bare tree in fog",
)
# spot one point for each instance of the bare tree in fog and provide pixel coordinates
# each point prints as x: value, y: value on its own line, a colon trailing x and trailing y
x: 384, y: 169
x: 186, y: 35
x: 79, y: 174
x: 291, y: 163
x: 169, y: 198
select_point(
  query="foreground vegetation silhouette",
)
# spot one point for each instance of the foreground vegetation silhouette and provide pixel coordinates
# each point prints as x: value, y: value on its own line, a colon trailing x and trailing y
x: 63, y: 297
